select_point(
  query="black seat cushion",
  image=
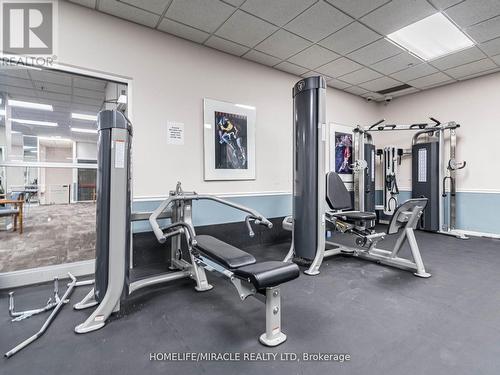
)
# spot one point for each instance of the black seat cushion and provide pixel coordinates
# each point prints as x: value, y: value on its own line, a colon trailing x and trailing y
x: 355, y: 216
x: 268, y: 274
x: 223, y: 253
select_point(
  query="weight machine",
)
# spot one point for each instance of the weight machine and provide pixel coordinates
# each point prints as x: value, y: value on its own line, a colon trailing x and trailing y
x: 430, y: 171
x: 114, y: 281
x: 312, y: 192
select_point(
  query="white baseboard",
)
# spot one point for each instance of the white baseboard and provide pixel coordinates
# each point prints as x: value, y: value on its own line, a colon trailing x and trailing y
x: 43, y: 274
x: 478, y: 234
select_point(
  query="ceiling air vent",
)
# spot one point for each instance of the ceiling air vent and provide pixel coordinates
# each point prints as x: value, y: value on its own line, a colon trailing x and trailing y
x: 391, y: 90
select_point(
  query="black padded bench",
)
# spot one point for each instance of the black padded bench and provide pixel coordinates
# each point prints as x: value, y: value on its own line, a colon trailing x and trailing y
x: 250, y: 278
x: 244, y: 266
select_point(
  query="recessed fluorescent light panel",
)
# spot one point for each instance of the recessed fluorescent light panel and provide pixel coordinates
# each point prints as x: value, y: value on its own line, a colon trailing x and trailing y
x: 82, y: 116
x: 432, y: 37
x: 81, y: 130
x: 2, y: 112
x: 42, y: 107
x: 34, y: 122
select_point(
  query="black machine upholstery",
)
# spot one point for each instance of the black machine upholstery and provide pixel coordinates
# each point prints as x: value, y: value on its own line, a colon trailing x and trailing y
x: 223, y: 253
x: 337, y: 196
x: 355, y: 215
x: 262, y: 275
x: 268, y: 274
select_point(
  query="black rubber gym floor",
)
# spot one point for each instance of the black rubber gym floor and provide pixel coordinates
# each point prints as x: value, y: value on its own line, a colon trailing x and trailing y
x: 388, y: 320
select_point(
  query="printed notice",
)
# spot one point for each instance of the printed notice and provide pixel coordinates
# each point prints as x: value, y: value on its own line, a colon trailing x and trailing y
x: 175, y: 132
x: 120, y: 154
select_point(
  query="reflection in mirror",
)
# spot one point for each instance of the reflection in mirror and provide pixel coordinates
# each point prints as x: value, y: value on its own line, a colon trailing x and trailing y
x: 48, y: 164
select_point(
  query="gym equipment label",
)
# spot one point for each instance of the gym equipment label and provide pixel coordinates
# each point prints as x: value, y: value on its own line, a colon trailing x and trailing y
x: 120, y: 154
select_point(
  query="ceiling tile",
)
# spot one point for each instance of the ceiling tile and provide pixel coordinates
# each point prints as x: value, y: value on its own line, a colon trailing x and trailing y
x: 318, y: 21
x: 51, y: 76
x: 496, y: 59
x: 481, y: 74
x: 85, y: 3
x: 372, y: 53
x: 49, y: 87
x: 397, y: 14
x: 226, y: 46
x: 291, y: 68
x: 154, y: 6
x: 471, y: 68
x: 206, y: 15
x: 13, y: 81
x: 430, y: 80
x: 471, y: 12
x: 55, y: 96
x: 414, y: 72
x: 443, y: 4
x: 380, y: 84
x: 361, y: 75
x: 130, y: 13
x: 338, y: 84
x: 183, y: 31
x: 491, y: 47
x: 339, y: 67
x: 313, y: 57
x: 396, y: 63
x: 356, y: 90
x: 357, y: 8
x: 14, y: 72
x: 486, y: 30
x: 245, y: 29
x: 316, y: 74
x: 88, y: 93
x: 89, y: 83
x: 282, y: 44
x: 410, y: 90
x: 458, y: 58
x: 13, y: 90
x: 261, y: 58
x: 279, y: 12
x: 350, y: 38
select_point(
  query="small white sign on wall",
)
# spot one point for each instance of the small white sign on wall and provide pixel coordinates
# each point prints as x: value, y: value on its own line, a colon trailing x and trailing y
x: 175, y: 133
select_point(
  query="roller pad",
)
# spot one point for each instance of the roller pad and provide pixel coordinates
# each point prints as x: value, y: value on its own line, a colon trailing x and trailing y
x: 268, y: 274
x: 220, y: 252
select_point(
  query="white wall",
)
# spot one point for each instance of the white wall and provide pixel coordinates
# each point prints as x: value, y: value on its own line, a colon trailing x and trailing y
x: 475, y: 105
x: 86, y: 151
x: 171, y: 77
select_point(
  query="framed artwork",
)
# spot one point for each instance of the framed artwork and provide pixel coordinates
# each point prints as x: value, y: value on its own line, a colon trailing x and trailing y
x: 341, y: 151
x: 229, y: 141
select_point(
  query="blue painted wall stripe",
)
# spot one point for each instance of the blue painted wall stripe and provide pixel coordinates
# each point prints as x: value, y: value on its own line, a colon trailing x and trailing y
x: 475, y: 211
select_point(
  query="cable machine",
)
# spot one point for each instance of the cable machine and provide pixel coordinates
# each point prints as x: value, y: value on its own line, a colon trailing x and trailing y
x: 431, y: 174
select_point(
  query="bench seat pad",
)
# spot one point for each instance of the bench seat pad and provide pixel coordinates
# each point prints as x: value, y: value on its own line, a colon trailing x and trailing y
x: 220, y: 252
x: 355, y: 215
x: 268, y: 274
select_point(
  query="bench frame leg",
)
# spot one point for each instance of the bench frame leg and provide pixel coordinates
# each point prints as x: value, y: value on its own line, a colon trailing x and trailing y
x: 273, y: 335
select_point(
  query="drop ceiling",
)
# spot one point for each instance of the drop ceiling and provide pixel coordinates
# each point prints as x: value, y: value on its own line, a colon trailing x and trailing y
x: 340, y: 39
x: 66, y: 92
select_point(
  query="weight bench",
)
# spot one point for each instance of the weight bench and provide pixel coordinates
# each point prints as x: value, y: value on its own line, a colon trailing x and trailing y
x: 261, y: 280
x: 249, y: 277
x: 361, y: 224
